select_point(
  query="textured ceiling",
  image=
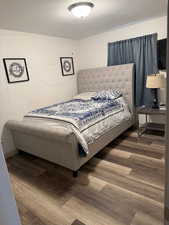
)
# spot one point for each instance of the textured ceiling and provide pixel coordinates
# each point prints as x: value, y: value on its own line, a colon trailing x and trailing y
x: 51, y: 17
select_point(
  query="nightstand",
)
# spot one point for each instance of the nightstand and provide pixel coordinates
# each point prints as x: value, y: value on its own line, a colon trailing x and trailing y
x: 147, y: 111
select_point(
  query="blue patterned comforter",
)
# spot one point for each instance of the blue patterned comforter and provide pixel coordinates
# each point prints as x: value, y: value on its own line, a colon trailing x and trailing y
x: 80, y: 113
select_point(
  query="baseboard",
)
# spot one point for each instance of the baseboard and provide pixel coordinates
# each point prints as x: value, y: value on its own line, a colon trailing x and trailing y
x: 10, y: 154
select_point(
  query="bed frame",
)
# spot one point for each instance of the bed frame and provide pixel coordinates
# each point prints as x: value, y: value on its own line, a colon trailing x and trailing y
x: 59, y: 145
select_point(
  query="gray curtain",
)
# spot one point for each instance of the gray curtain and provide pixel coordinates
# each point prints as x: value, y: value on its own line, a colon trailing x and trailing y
x: 141, y: 51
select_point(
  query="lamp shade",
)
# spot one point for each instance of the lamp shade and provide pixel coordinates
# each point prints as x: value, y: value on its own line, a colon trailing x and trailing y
x: 155, y: 81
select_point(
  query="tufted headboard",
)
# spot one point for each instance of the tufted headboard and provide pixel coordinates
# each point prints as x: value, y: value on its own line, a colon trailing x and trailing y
x: 121, y: 77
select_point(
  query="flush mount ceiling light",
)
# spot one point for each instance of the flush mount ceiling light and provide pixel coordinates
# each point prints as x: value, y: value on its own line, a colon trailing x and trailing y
x: 81, y: 9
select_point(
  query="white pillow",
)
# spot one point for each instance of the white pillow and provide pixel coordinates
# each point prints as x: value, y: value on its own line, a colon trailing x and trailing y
x: 85, y: 96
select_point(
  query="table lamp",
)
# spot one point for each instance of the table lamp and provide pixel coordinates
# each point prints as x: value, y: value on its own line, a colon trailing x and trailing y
x: 155, y: 81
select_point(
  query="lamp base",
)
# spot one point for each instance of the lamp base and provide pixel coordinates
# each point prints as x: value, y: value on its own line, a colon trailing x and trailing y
x: 155, y: 104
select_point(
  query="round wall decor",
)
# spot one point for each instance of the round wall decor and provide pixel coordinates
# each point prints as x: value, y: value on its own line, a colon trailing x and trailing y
x: 16, y: 70
x: 67, y: 66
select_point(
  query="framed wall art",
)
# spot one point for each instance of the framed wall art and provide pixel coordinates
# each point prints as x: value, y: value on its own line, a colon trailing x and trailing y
x: 67, y: 66
x: 16, y: 70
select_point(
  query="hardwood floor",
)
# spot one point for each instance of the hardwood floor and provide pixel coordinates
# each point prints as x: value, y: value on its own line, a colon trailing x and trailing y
x: 122, y: 185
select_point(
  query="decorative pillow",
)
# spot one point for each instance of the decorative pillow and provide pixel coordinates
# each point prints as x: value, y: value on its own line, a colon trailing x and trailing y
x: 110, y: 94
x: 85, y: 95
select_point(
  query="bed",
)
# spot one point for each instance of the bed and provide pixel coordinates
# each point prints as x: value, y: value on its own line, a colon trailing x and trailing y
x: 60, y: 144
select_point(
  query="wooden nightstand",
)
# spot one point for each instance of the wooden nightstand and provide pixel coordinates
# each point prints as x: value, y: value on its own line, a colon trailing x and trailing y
x: 147, y: 111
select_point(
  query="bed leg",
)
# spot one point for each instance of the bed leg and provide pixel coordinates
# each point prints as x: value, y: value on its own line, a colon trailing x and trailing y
x: 75, y: 173
x: 20, y: 151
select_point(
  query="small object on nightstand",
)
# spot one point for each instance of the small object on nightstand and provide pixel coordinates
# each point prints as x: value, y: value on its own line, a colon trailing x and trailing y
x: 147, y: 111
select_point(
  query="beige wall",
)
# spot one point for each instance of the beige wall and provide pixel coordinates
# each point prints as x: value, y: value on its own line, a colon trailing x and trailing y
x: 46, y: 85
x: 93, y: 50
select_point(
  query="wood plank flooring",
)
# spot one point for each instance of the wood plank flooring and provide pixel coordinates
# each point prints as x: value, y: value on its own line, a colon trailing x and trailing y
x: 121, y: 185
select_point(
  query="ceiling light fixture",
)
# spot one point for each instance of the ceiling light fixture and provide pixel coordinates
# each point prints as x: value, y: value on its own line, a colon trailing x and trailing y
x: 81, y: 9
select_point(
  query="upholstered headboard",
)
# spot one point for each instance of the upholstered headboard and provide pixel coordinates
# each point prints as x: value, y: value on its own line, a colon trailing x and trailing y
x: 121, y: 77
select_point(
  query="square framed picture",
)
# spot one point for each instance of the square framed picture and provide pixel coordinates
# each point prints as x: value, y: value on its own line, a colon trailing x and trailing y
x: 67, y: 66
x: 16, y: 70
